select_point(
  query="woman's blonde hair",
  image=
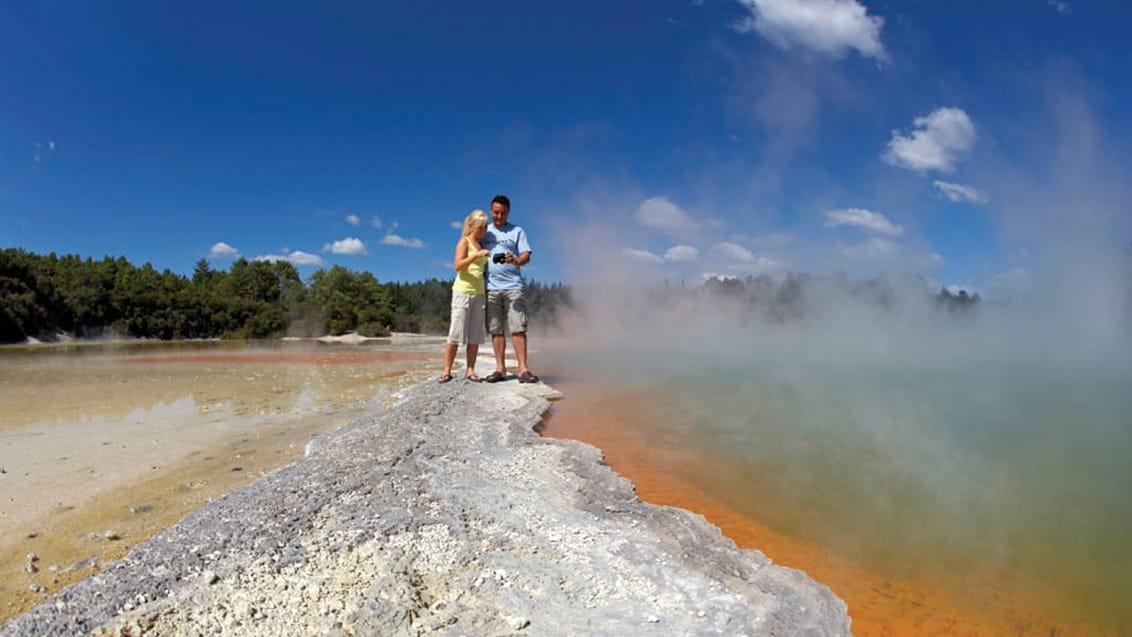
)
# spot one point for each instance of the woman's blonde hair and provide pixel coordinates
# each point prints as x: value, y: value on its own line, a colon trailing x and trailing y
x: 475, y: 219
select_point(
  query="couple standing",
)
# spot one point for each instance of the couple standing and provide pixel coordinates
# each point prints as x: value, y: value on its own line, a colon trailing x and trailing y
x: 491, y: 254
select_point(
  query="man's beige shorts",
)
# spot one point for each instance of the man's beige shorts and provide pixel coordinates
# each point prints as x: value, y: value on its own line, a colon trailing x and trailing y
x: 467, y: 319
x: 506, y: 306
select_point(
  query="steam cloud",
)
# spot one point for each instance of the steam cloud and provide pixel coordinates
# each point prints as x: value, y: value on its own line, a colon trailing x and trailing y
x: 987, y: 421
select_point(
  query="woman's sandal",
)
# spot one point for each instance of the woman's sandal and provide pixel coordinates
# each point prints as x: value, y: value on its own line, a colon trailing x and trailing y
x: 472, y: 378
x: 444, y: 379
x: 528, y: 377
x: 495, y: 377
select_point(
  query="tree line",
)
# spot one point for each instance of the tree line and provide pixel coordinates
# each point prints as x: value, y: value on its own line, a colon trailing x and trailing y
x: 801, y: 296
x: 42, y: 296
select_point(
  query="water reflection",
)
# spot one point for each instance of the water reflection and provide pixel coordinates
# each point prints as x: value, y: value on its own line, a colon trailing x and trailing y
x: 993, y: 497
x: 130, y: 437
x: 67, y: 384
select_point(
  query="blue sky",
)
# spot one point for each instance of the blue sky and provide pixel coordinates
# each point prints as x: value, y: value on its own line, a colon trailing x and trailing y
x: 980, y: 144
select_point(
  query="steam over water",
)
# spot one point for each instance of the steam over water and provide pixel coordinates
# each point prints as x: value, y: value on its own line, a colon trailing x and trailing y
x: 916, y: 442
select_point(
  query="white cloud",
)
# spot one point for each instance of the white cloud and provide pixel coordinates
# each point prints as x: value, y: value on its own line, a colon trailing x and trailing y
x: 660, y: 213
x: 394, y: 240
x: 1061, y: 7
x: 682, y: 253
x: 864, y: 219
x: 642, y: 256
x: 828, y: 27
x: 733, y: 251
x: 875, y: 248
x: 936, y: 144
x: 221, y: 250
x: 304, y: 258
x: 456, y: 225
x: 43, y: 150
x: 349, y: 245
x: 375, y: 222
x: 353, y: 220
x: 761, y: 265
x: 959, y: 193
x: 296, y: 257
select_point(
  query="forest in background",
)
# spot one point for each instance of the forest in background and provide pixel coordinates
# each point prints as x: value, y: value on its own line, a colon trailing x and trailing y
x: 44, y: 296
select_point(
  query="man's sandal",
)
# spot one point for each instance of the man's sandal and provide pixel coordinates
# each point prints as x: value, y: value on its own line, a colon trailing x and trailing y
x: 495, y: 377
x: 528, y: 377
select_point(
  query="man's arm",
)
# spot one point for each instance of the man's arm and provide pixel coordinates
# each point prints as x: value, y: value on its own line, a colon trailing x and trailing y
x: 524, y: 250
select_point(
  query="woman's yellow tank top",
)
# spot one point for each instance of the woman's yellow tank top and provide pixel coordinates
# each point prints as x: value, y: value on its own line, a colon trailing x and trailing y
x: 470, y: 279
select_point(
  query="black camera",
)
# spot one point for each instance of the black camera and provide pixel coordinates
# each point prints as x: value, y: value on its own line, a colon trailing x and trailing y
x: 499, y: 257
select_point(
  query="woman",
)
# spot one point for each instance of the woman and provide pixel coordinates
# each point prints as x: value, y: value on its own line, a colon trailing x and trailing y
x: 468, y: 309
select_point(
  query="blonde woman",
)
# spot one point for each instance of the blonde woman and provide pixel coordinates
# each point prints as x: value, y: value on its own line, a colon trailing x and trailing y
x: 468, y: 304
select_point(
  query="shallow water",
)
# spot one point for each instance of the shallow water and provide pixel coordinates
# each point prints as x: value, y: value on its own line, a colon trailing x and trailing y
x: 1000, y: 490
x: 102, y: 445
x: 934, y: 499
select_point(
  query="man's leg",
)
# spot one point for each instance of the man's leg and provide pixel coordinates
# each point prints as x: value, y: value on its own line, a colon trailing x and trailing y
x: 499, y: 345
x: 498, y: 305
x: 519, y: 340
x: 517, y: 321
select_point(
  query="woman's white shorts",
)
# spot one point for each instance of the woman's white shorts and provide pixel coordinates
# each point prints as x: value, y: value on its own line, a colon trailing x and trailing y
x: 468, y: 313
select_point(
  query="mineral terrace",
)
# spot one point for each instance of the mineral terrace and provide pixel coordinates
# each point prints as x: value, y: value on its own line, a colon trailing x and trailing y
x: 444, y: 514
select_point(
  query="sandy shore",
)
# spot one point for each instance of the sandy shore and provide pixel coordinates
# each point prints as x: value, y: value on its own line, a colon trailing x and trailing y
x: 86, y: 474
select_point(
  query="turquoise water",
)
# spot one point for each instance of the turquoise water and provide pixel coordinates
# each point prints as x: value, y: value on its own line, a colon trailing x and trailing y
x: 912, y: 465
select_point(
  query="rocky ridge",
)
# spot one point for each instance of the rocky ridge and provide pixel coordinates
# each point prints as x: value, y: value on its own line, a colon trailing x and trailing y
x: 444, y: 514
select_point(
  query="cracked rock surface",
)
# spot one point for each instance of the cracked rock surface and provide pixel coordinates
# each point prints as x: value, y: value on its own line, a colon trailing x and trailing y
x: 444, y: 514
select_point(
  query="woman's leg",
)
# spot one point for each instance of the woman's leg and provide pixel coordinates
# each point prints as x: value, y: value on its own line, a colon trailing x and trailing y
x: 449, y: 358
x: 472, y: 350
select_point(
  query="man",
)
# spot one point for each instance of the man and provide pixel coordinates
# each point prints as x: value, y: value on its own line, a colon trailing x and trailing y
x: 506, y: 308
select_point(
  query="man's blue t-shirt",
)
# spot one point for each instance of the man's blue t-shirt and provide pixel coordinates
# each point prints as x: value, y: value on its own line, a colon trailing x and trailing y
x: 509, y: 238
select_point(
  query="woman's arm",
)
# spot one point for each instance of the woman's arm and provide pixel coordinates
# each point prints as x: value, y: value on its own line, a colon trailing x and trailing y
x: 463, y: 257
x: 462, y: 260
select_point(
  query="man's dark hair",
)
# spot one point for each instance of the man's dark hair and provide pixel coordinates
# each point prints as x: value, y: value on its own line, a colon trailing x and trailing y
x: 503, y: 200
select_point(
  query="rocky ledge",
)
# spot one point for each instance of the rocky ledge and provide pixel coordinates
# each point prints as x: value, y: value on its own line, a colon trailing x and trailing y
x: 444, y: 514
